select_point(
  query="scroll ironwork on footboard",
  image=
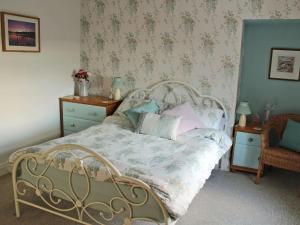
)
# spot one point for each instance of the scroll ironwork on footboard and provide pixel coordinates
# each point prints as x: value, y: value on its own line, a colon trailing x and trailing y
x: 77, y: 194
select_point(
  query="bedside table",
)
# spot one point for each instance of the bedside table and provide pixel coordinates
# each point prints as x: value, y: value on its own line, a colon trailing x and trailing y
x: 246, y: 149
x: 79, y: 113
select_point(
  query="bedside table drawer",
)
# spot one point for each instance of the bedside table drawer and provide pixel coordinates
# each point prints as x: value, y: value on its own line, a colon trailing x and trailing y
x: 74, y: 124
x: 246, y: 156
x: 247, y: 139
x: 83, y: 111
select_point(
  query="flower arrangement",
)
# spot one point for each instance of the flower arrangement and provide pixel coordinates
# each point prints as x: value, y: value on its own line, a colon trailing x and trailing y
x: 82, y: 75
x: 81, y: 79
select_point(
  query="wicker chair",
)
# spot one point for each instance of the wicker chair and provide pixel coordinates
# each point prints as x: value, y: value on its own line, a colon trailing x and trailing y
x: 273, y: 155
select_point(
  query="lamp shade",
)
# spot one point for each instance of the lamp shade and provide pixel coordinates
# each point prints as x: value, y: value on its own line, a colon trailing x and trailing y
x: 117, y: 82
x: 244, y: 108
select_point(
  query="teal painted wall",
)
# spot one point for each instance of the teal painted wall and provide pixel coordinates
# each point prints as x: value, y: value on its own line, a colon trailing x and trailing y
x: 259, y: 37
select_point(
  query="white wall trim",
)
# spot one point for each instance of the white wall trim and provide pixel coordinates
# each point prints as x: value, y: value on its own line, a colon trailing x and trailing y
x: 3, y: 168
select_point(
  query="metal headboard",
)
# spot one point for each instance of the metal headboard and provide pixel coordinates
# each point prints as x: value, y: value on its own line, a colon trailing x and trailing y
x: 176, y: 92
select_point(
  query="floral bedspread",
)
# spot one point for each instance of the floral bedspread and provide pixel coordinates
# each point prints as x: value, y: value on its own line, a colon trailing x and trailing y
x: 175, y: 169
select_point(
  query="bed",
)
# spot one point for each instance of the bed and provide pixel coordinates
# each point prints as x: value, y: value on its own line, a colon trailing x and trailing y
x: 109, y: 174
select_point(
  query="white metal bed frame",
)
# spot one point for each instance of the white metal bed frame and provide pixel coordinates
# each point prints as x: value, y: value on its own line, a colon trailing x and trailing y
x: 45, y: 188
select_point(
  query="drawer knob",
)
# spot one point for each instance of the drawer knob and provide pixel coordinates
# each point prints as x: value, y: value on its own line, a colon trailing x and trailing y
x: 250, y: 139
x: 71, y: 110
x: 72, y: 125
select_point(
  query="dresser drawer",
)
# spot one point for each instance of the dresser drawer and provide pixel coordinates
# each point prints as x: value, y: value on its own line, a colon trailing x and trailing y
x: 246, y: 156
x: 247, y: 139
x: 83, y: 111
x: 74, y: 124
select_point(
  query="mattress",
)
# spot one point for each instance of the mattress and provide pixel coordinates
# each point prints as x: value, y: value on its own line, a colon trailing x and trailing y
x: 176, y: 170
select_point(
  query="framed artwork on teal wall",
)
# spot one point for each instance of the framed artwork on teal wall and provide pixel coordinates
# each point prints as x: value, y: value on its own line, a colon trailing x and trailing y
x: 285, y: 64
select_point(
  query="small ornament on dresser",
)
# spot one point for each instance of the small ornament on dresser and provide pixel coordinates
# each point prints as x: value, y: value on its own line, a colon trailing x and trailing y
x: 268, y: 110
x: 82, y: 80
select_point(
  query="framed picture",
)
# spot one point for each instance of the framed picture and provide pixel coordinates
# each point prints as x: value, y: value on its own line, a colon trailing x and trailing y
x: 20, y: 33
x: 285, y: 64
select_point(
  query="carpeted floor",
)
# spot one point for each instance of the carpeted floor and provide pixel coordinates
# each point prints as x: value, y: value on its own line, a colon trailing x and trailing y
x: 226, y: 199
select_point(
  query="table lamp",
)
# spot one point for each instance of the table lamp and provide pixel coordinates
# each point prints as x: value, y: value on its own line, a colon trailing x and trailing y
x: 244, y: 110
x: 116, y: 85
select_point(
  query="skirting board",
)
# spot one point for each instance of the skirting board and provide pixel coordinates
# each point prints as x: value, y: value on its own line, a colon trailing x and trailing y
x: 3, y: 168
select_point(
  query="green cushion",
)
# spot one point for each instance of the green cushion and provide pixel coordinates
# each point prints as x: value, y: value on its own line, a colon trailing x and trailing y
x: 134, y: 113
x: 291, y: 136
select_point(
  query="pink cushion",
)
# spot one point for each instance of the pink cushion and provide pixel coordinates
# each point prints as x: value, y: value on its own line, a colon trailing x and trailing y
x: 189, y: 119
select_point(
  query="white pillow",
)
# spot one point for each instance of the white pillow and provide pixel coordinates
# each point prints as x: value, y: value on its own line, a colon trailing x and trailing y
x: 210, y: 117
x: 164, y: 126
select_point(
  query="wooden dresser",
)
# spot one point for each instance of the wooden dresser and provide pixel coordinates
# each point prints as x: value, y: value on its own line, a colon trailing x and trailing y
x: 79, y: 113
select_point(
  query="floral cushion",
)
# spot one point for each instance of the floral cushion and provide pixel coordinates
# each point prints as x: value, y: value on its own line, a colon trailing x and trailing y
x: 164, y: 126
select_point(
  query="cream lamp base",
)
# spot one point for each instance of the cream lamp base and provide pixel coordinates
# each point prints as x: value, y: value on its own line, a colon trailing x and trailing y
x: 242, y: 121
x: 117, y: 94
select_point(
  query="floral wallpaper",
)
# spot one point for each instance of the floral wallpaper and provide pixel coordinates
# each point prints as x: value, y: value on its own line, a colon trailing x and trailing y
x: 197, y: 41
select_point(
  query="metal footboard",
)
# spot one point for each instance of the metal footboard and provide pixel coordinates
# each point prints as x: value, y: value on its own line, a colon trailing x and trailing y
x: 80, y: 197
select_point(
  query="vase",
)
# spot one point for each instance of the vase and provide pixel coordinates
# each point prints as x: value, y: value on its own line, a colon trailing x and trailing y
x: 83, y: 88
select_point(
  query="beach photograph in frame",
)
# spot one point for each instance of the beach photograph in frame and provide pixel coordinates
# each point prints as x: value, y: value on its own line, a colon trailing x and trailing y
x: 20, y: 33
x: 285, y: 64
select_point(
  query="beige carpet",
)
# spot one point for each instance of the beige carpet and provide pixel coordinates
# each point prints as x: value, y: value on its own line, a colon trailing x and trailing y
x: 226, y: 199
